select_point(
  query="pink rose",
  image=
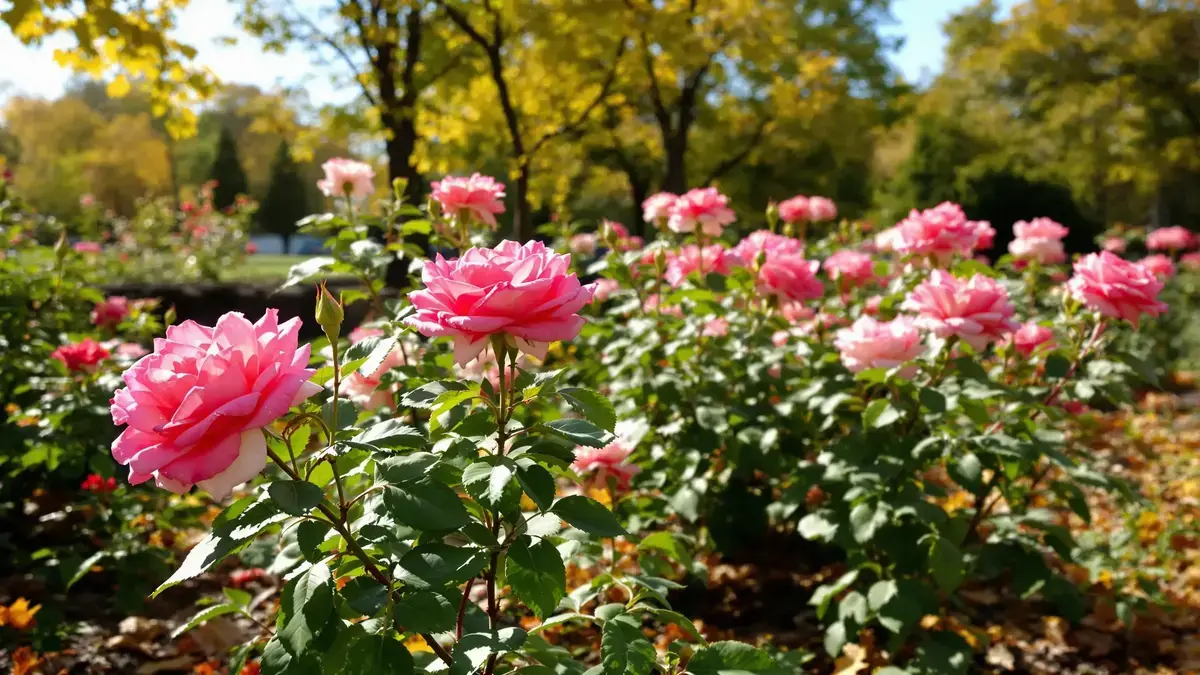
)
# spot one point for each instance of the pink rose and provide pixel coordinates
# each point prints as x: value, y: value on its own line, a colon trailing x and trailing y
x: 87, y: 246
x: 1114, y: 244
x: 526, y: 292
x: 688, y: 259
x: 790, y: 276
x: 985, y: 233
x: 363, y: 332
x: 976, y: 310
x: 601, y: 463
x: 795, y: 312
x: 821, y: 209
x: 657, y: 207
x: 111, y: 311
x: 879, y: 344
x: 251, y: 248
x: 794, y: 210
x: 1190, y: 261
x: 196, y: 405
x: 583, y: 244
x: 855, y: 268
x: 1115, y: 287
x: 87, y: 200
x: 765, y: 241
x: 80, y: 356
x: 1039, y: 239
x: 717, y: 327
x: 479, y: 197
x: 705, y: 208
x: 872, y: 305
x: 1170, y: 239
x: 650, y: 305
x: 780, y: 338
x: 941, y: 233
x: 630, y: 243
x: 618, y: 230
x: 605, y: 288
x: 1159, y: 264
x: 365, y: 389
x: 1031, y: 337
x: 347, y: 178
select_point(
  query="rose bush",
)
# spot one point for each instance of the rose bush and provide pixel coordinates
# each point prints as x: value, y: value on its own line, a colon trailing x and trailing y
x: 512, y: 460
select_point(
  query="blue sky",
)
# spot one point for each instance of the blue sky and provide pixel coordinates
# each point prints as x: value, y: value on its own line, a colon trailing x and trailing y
x: 32, y: 72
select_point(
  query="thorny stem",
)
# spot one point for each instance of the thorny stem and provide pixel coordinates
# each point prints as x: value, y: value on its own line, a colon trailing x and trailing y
x: 502, y: 414
x: 462, y: 608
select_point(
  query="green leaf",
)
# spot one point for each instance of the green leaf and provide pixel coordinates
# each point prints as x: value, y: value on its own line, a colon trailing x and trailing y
x: 668, y: 616
x: 1057, y: 366
x: 434, y: 565
x: 309, y: 269
x: 232, y: 531
x: 588, y: 515
x: 204, y: 615
x: 932, y: 400
x: 669, y: 543
x: 277, y: 661
x: 310, y: 534
x: 730, y: 658
x: 581, y: 432
x: 85, y: 567
x: 945, y: 563
x: 425, y: 395
x: 537, y: 575
x: 426, y: 505
x: 537, y: 483
x: 898, y: 604
x: 364, y: 595
x: 968, y: 471
x: 405, y: 468
x: 614, y: 651
x: 391, y: 433
x: 880, y: 413
x: 305, y: 606
x: 825, y: 593
x: 374, y: 654
x: 295, y: 497
x: 491, y: 482
x: 591, y: 404
x: 866, y: 519
x: 426, y: 612
x: 474, y: 648
x: 237, y: 597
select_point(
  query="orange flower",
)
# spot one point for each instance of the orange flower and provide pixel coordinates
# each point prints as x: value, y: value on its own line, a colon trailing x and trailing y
x: 19, y: 615
x: 24, y: 661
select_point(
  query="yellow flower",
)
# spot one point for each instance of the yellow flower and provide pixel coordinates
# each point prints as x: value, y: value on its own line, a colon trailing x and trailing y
x: 19, y: 615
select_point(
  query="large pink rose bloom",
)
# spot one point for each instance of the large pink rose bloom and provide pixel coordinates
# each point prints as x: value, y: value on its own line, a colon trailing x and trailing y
x: 821, y: 209
x: 657, y: 207
x: 1159, y: 264
x: 1115, y: 287
x: 850, y: 267
x: 1170, y: 239
x: 765, y: 241
x: 477, y: 196
x: 790, y: 276
x: 527, y: 292
x: 941, y: 232
x: 601, y: 463
x: 714, y: 258
x: 347, y: 178
x: 1031, y: 338
x: 703, y: 208
x: 195, y: 406
x: 976, y: 310
x: 879, y: 344
x: 794, y: 210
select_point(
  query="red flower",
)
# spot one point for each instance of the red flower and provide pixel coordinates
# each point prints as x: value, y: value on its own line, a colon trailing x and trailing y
x: 240, y: 578
x: 94, y: 483
x: 80, y: 356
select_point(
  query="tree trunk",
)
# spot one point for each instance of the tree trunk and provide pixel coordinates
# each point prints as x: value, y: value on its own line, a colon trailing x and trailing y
x: 638, y: 190
x: 522, y: 217
x: 675, y: 178
x: 287, y: 242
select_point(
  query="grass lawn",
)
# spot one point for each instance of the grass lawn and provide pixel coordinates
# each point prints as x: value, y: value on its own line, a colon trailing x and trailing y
x: 265, y: 268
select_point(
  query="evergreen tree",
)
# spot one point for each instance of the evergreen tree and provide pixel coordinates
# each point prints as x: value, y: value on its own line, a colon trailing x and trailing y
x: 227, y: 171
x: 287, y: 199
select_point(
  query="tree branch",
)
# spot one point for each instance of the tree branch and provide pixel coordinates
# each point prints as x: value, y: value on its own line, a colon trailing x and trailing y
x: 736, y: 159
x: 605, y: 88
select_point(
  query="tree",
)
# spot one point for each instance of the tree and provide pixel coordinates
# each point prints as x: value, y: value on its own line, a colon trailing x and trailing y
x: 287, y: 198
x: 391, y: 50
x: 526, y: 40
x: 227, y: 171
